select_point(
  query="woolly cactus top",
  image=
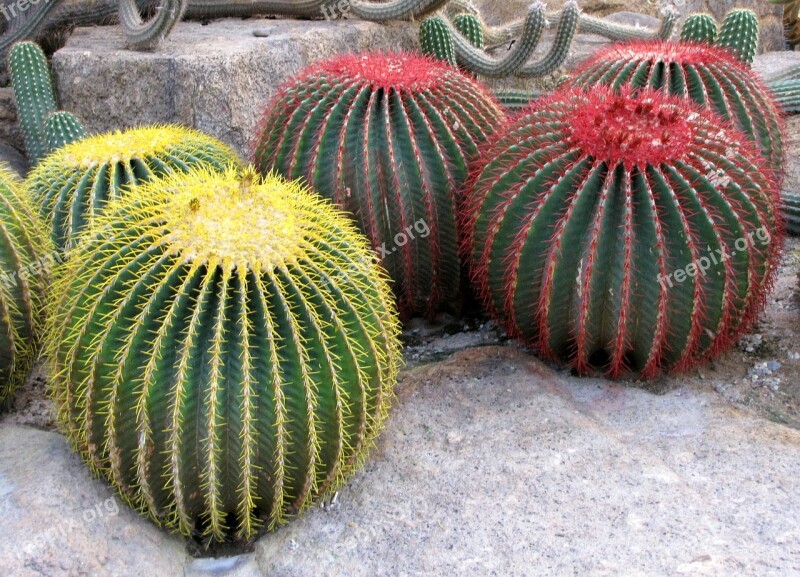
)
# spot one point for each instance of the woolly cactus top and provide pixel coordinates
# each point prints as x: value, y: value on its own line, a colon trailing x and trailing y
x: 398, y: 70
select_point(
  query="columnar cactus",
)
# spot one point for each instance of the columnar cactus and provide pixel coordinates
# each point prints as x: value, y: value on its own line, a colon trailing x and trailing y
x: 72, y: 185
x: 791, y: 212
x: 699, y: 27
x: 620, y: 232
x: 436, y: 41
x: 739, y: 34
x: 786, y: 94
x: 24, y: 269
x: 388, y: 137
x: 707, y: 75
x: 471, y: 28
x: 34, y: 94
x: 224, y: 350
x: 62, y: 128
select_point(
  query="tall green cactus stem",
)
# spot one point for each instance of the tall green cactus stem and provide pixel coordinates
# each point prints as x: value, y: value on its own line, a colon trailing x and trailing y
x: 62, y: 128
x: 710, y: 76
x: 565, y: 34
x: 436, y: 41
x: 143, y: 35
x: 227, y: 355
x: 388, y: 137
x: 23, y: 281
x: 471, y: 28
x: 786, y: 94
x: 739, y: 34
x: 34, y: 94
x: 791, y: 212
x: 478, y: 61
x: 72, y: 185
x: 700, y: 28
x: 620, y: 232
x: 394, y: 9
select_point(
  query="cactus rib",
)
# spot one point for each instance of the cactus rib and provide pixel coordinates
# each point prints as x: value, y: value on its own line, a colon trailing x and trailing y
x: 699, y: 27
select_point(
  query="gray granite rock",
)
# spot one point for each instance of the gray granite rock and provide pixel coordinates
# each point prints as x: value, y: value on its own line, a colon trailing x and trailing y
x: 13, y: 158
x: 217, y: 78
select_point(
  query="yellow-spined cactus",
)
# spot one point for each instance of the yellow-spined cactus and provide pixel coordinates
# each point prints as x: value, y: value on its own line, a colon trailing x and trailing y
x: 224, y: 349
x: 72, y: 185
x: 24, y: 266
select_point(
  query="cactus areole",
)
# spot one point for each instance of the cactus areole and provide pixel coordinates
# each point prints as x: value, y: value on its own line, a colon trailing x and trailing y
x: 389, y: 138
x: 623, y: 233
x: 225, y: 348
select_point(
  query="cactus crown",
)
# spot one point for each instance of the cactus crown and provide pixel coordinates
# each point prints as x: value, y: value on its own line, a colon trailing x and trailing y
x: 384, y: 70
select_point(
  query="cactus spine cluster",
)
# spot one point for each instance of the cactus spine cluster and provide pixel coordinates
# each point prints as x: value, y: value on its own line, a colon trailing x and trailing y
x: 739, y: 34
x: 389, y: 137
x: 622, y: 232
x: 436, y: 41
x: 72, y: 185
x: 34, y: 94
x: 62, y: 128
x: 23, y: 279
x: 228, y: 355
x: 699, y: 28
x: 708, y: 75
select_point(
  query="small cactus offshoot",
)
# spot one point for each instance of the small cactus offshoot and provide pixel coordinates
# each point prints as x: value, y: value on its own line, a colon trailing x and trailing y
x: 388, y: 137
x: 436, y: 41
x: 72, y: 185
x: 699, y: 27
x: 739, y: 34
x: 24, y: 272
x: 627, y: 233
x: 224, y: 349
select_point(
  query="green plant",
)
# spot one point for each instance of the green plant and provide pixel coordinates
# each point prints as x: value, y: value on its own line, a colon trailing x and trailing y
x: 623, y: 232
x: 72, y: 185
x: 436, y: 41
x: 791, y: 212
x: 62, y: 128
x: 34, y: 94
x: 786, y: 94
x: 23, y: 281
x: 707, y: 75
x: 471, y: 28
x: 224, y: 350
x: 739, y: 34
x: 389, y: 137
x: 699, y: 27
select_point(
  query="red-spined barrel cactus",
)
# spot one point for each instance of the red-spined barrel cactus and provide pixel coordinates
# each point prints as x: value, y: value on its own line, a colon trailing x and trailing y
x: 708, y: 75
x: 389, y: 138
x: 224, y: 349
x: 623, y: 233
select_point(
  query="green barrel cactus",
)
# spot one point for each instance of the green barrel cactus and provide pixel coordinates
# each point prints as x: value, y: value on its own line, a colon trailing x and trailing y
x: 700, y: 28
x: 627, y: 233
x: 224, y: 350
x: 74, y: 183
x: 34, y: 94
x: 436, y: 41
x: 471, y: 28
x: 708, y: 75
x: 62, y: 128
x: 388, y: 137
x: 739, y: 34
x: 24, y: 272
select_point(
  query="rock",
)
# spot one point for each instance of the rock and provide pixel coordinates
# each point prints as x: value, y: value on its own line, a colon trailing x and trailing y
x: 13, y: 158
x: 493, y: 464
x: 60, y: 522
x: 775, y: 64
x: 217, y: 78
x: 791, y: 180
x: 9, y: 128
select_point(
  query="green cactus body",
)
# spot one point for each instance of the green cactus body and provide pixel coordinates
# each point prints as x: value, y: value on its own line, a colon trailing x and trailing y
x: 515, y: 99
x: 787, y: 95
x: 436, y: 41
x: 791, y: 212
x: 710, y: 76
x: 739, y: 34
x: 34, y: 94
x: 623, y: 233
x: 227, y: 355
x: 74, y: 183
x: 388, y: 137
x: 24, y: 268
x: 62, y: 128
x: 700, y: 28
x: 471, y: 28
